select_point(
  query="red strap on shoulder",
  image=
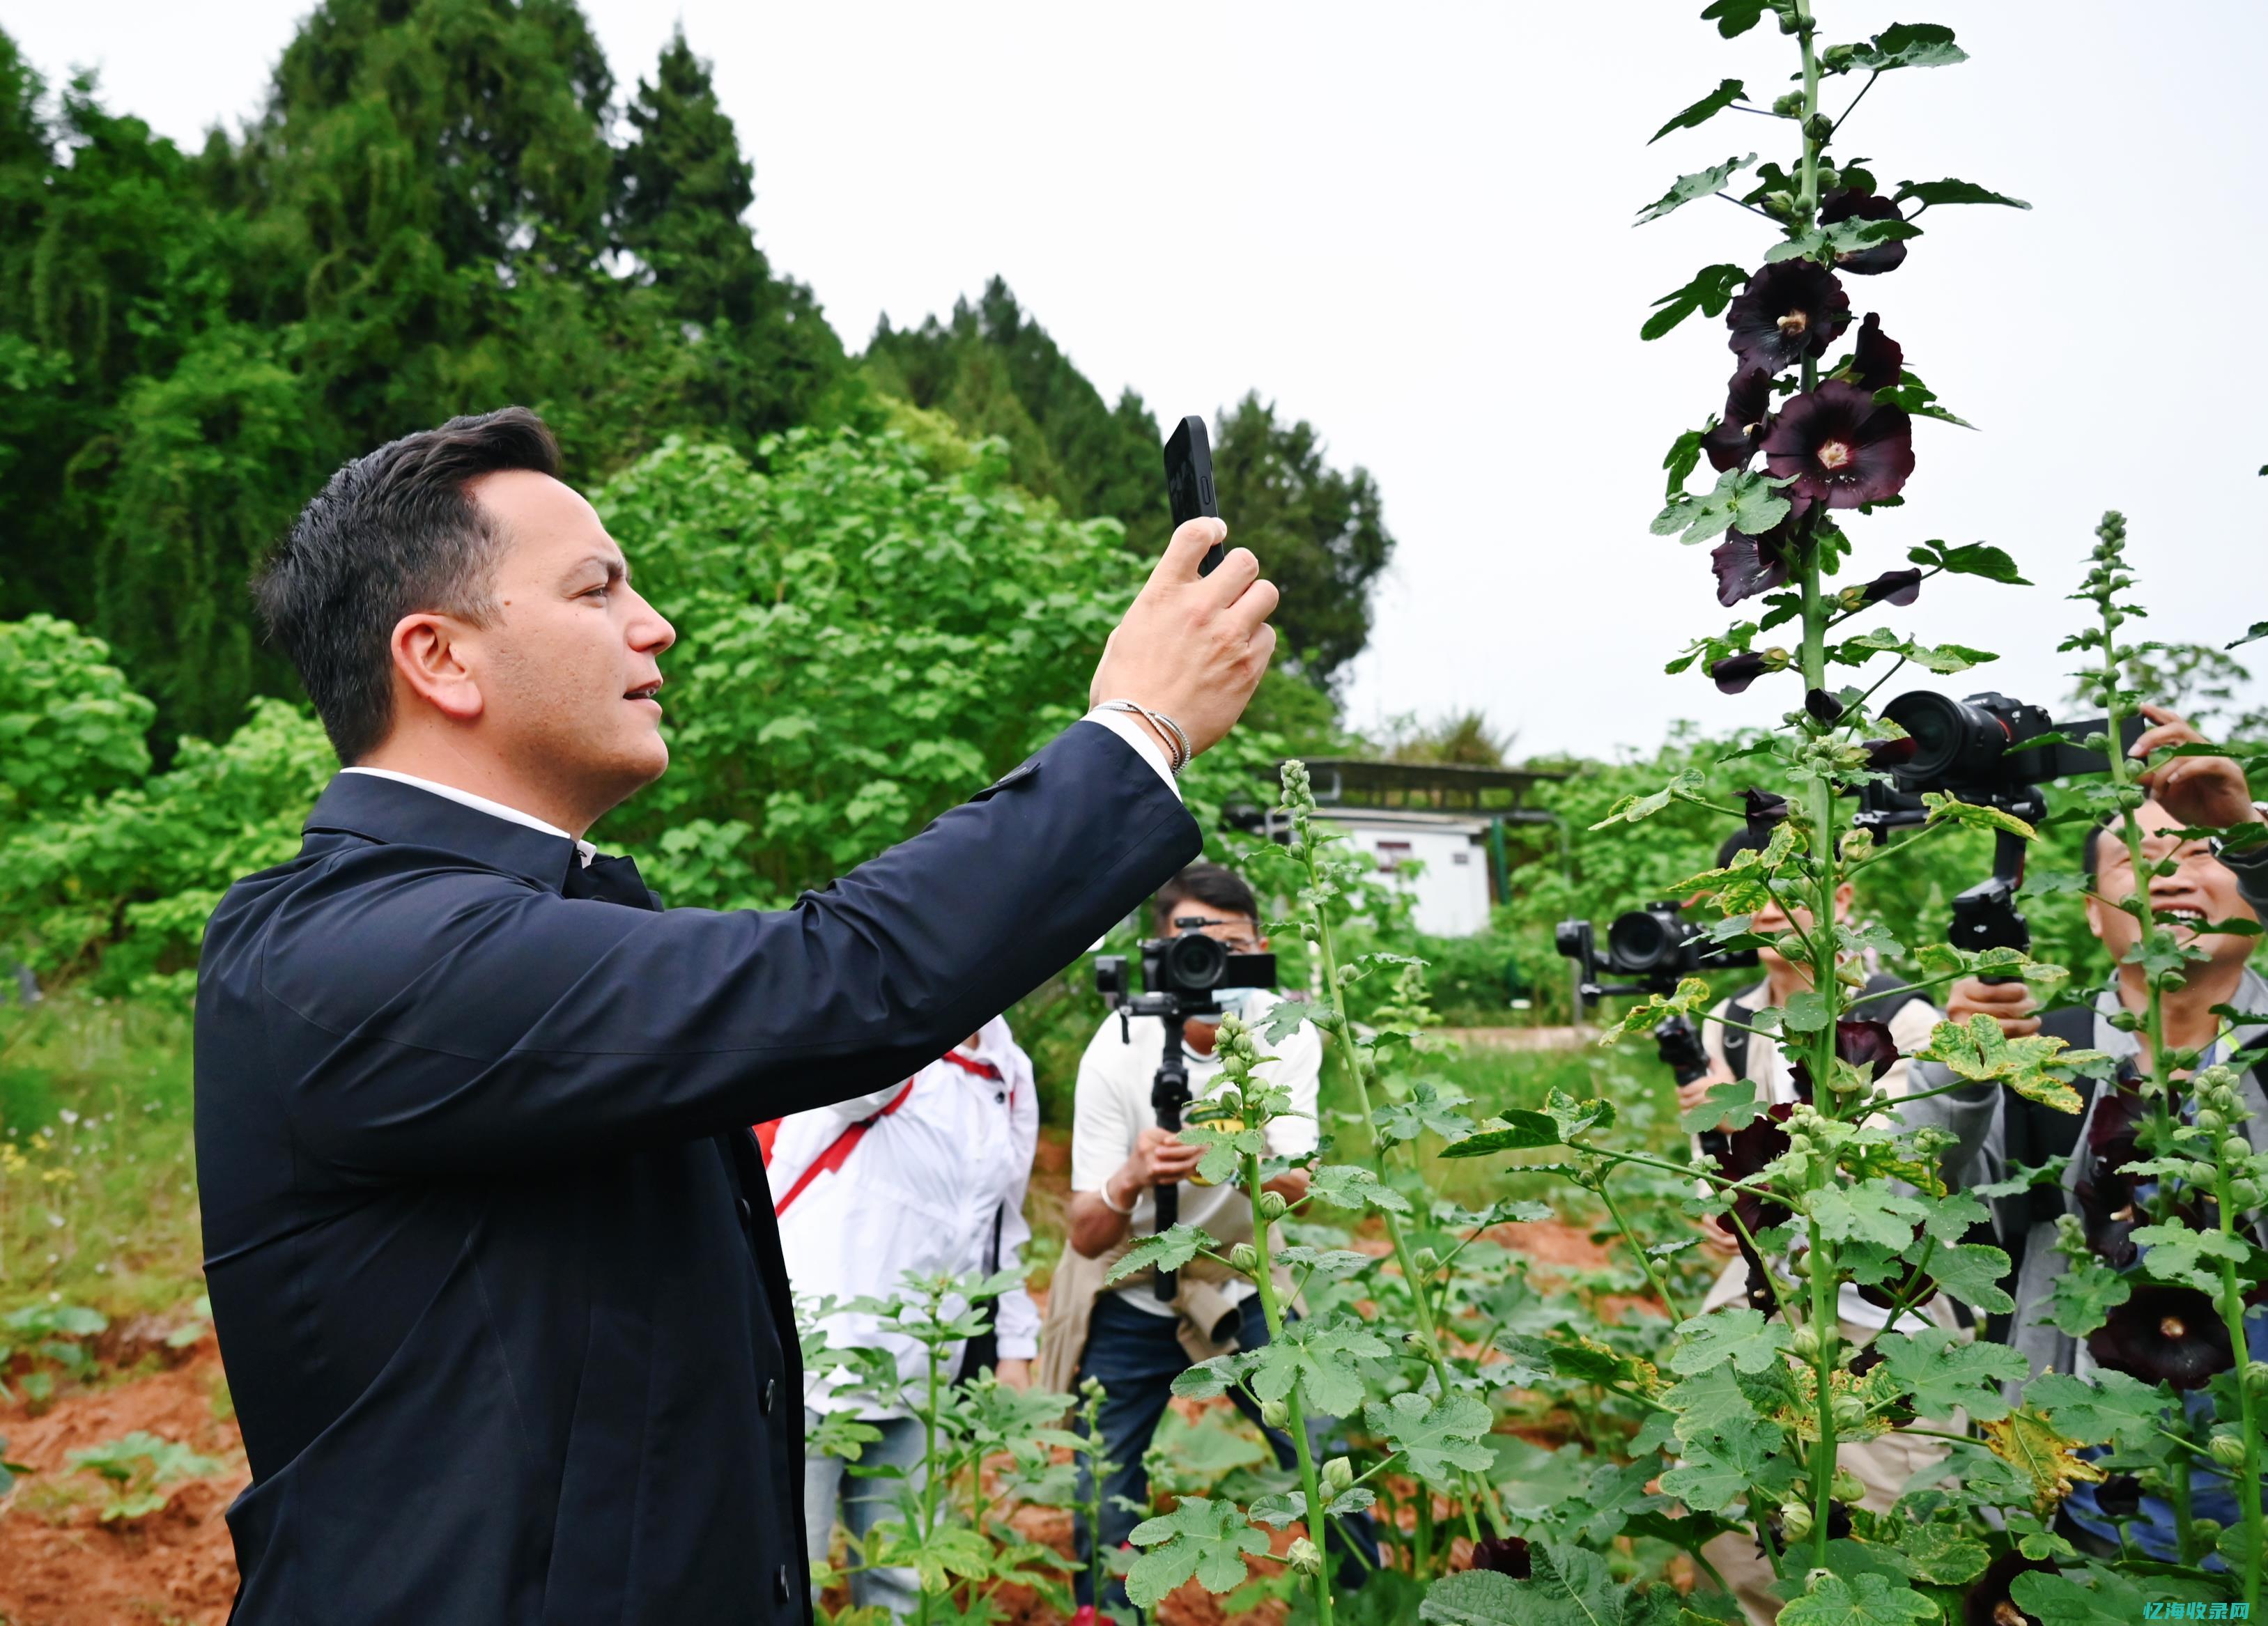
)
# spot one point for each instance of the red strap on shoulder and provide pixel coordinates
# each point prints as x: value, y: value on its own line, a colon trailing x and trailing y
x: 839, y: 1150
x: 767, y: 1132
x: 974, y: 1064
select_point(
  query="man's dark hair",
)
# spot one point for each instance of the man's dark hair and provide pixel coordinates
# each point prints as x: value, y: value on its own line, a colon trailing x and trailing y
x: 1740, y: 841
x: 393, y: 533
x: 1212, y: 885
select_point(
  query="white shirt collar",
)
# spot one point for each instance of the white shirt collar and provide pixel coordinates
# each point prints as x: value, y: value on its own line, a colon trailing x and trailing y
x: 583, y: 848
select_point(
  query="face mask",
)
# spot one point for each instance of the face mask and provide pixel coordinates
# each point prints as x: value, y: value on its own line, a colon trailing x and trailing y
x: 1233, y: 1002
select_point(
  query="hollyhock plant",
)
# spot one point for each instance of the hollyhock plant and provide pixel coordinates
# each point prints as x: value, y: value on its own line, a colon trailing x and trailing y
x: 1506, y: 1555
x: 1990, y: 1600
x: 1861, y: 203
x: 1735, y: 673
x: 1866, y: 1046
x: 1789, y: 312
x: 1841, y: 446
x: 1747, y: 407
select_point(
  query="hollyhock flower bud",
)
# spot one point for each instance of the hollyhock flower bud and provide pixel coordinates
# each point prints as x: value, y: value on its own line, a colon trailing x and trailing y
x: 1275, y: 1414
x: 1272, y: 1205
x: 1823, y: 706
x: 1899, y: 587
x: 1803, y: 1342
x: 1850, y: 1413
x: 1790, y: 310
x: 1841, y: 446
x: 2226, y: 1449
x: 1339, y: 1475
x: 1847, y: 1486
x: 1305, y: 1556
x: 2236, y: 1149
x: 1877, y: 360
x: 1795, y: 1519
x: 1735, y: 673
x: 1245, y: 1257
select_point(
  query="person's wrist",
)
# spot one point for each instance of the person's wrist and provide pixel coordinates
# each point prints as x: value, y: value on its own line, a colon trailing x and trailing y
x: 1124, y: 1210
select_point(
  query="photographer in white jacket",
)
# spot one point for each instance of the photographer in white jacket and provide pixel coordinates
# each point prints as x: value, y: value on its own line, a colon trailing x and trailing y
x: 926, y: 1176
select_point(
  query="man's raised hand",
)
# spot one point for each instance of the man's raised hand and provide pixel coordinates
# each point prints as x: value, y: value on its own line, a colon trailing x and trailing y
x: 1193, y: 647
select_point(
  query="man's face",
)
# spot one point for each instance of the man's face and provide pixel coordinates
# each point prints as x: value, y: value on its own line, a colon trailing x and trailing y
x: 1239, y: 934
x: 566, y: 667
x: 2201, y: 889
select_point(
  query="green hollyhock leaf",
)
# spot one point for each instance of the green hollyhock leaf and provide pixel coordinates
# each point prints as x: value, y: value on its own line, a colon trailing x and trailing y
x: 1972, y: 1272
x: 1735, y: 18
x: 2105, y: 1407
x: 1429, y: 1106
x: 1932, y: 192
x: 2084, y: 1296
x: 1979, y: 1052
x: 1519, y: 1130
x: 1867, y: 1600
x: 1943, y: 1555
x: 1868, y: 1211
x: 1699, y: 184
x: 1201, y: 1537
x: 1740, y: 500
x: 1167, y: 1250
x: 1434, y: 1436
x: 1906, y: 45
x: 1727, y: 93
x: 2173, y: 1254
x: 1739, y: 1337
x: 1712, y: 288
x: 1317, y: 1357
x: 1569, y: 1586
x: 1734, y: 1105
x: 1708, y: 1398
x: 1284, y: 1018
x: 1943, y: 1373
x: 1971, y: 559
x: 1349, y: 1185
x: 2056, y: 1600
x: 1723, y: 1461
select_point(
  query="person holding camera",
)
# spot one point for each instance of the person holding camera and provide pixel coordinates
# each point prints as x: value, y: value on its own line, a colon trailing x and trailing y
x: 491, y: 1250
x: 2202, y: 884
x: 1126, y: 1336
x: 1884, y: 1464
x: 926, y: 1176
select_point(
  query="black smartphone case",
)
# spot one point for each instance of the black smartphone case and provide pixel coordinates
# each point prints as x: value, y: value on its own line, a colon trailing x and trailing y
x: 1188, y: 482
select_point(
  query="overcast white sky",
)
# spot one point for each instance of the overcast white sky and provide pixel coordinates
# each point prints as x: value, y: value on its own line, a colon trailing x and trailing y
x: 1410, y: 224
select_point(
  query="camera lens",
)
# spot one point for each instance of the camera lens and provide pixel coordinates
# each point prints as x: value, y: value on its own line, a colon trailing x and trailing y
x: 1194, y: 960
x: 1955, y: 741
x: 1640, y: 940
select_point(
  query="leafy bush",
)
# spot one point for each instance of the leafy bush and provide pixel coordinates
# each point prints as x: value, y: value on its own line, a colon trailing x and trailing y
x: 139, y: 1467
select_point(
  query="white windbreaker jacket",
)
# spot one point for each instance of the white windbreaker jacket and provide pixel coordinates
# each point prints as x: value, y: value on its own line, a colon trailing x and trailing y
x: 944, y: 1159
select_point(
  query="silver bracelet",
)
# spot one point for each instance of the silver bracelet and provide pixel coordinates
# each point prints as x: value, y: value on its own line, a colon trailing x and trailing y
x: 1177, y: 741
x: 1124, y: 1213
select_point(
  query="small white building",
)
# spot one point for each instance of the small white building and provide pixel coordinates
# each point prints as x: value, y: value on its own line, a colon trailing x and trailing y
x: 1437, y: 828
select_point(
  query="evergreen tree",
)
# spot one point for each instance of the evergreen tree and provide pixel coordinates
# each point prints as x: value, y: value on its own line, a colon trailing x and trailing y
x: 762, y: 354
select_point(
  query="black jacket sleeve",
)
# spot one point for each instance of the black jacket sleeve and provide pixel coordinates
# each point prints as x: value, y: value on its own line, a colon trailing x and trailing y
x: 427, y: 1016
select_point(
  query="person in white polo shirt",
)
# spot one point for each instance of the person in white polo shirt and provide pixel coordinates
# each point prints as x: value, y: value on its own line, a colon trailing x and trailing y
x: 927, y: 1175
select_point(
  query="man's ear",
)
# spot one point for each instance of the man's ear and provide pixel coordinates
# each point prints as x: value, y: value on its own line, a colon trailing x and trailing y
x: 429, y: 657
x: 1843, y: 895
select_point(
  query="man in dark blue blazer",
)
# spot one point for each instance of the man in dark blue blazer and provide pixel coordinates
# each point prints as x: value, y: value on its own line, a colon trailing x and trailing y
x: 489, y: 1253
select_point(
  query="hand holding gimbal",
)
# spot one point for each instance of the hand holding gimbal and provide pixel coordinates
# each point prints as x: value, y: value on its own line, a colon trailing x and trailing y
x: 1180, y: 975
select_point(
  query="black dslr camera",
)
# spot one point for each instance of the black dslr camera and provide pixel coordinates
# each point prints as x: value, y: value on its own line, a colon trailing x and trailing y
x: 1993, y: 751
x: 1655, y: 946
x: 1179, y: 975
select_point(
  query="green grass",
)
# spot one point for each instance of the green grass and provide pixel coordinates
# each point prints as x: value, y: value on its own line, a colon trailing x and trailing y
x: 98, y: 1179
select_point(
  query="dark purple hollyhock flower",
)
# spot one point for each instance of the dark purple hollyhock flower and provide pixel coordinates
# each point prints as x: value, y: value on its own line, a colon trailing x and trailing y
x: 1882, y: 756
x: 1841, y: 447
x: 1747, y: 1151
x: 1748, y: 404
x: 1866, y: 1045
x: 1877, y: 360
x: 2119, y: 1497
x: 1890, y: 587
x: 1747, y: 566
x: 1735, y: 672
x: 1787, y: 311
x: 1761, y: 810
x: 2164, y: 1335
x: 1823, y: 706
x: 1506, y: 1555
x: 1989, y: 1601
x: 1859, y: 203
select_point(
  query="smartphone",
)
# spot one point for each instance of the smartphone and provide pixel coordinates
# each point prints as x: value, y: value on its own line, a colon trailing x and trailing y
x: 1188, y: 483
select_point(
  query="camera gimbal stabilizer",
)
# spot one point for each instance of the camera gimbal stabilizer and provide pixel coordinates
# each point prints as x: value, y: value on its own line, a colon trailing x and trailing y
x: 1657, y: 947
x: 1180, y: 973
